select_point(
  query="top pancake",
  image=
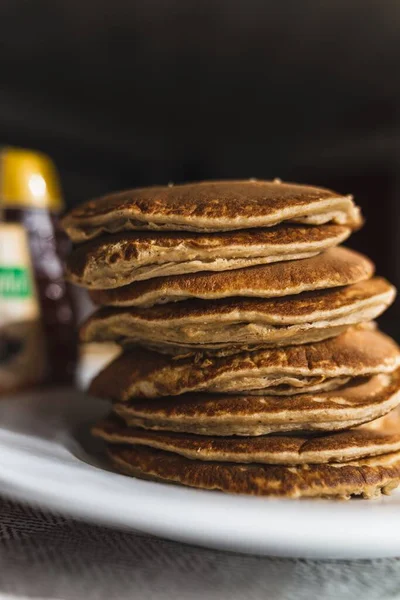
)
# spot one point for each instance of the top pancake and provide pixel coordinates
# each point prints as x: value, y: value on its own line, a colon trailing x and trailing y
x: 122, y: 258
x: 334, y: 268
x: 210, y: 206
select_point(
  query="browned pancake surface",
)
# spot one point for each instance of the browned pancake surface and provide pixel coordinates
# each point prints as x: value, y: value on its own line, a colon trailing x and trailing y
x: 281, y: 309
x: 210, y: 206
x: 143, y: 373
x: 381, y: 437
x: 237, y: 324
x: 119, y: 259
x: 333, y: 268
x: 366, y: 477
x: 218, y: 414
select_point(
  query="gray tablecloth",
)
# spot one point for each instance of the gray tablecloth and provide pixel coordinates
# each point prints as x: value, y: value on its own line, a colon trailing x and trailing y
x: 44, y: 555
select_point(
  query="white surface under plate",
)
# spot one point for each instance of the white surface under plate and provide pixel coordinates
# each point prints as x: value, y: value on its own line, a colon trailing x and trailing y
x: 46, y: 456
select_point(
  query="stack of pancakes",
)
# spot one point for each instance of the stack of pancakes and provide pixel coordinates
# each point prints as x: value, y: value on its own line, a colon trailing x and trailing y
x: 251, y: 362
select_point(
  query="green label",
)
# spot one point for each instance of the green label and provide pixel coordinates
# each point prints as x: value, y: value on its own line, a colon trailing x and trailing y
x: 15, y: 282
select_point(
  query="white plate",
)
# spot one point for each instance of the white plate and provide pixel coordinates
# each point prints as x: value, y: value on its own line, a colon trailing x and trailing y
x: 46, y: 456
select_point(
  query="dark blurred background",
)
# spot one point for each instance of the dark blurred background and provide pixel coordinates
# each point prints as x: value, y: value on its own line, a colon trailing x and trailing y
x: 133, y: 92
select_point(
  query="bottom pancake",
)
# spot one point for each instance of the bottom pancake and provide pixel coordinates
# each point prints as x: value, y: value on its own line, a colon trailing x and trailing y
x: 379, y: 437
x: 365, y: 477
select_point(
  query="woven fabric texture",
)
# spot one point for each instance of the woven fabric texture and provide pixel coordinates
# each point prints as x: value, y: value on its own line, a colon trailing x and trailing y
x: 44, y: 555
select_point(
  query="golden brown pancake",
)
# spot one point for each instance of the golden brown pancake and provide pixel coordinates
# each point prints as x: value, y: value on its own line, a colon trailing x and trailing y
x: 277, y: 371
x: 210, y: 206
x: 216, y: 414
x: 237, y: 324
x: 381, y: 437
x: 334, y: 268
x: 366, y: 477
x: 120, y: 259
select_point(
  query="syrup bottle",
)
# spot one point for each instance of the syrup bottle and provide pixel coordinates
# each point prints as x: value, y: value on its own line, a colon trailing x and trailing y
x: 30, y: 203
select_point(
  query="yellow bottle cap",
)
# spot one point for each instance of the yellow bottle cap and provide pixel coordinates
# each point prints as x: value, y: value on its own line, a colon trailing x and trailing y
x: 28, y: 179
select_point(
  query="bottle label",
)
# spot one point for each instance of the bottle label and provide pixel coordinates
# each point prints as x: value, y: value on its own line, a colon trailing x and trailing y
x: 18, y: 299
x: 22, y: 350
x: 15, y: 282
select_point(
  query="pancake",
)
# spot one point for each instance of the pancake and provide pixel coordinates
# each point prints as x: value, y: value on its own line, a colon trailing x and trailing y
x: 210, y: 206
x: 238, y: 324
x: 334, y: 268
x: 211, y: 414
x: 120, y: 259
x: 283, y: 371
x: 366, y: 477
x: 382, y: 437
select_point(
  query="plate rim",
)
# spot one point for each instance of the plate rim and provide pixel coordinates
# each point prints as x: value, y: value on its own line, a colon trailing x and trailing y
x: 357, y: 529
